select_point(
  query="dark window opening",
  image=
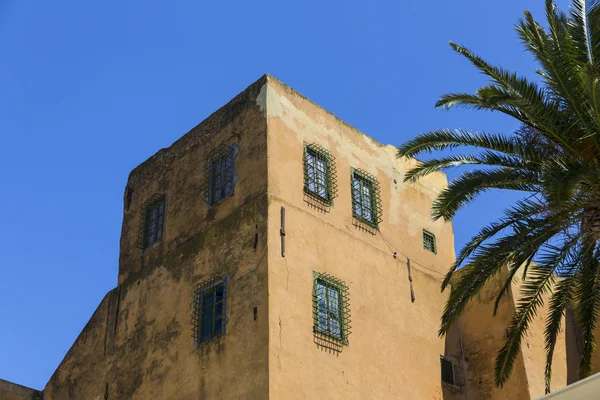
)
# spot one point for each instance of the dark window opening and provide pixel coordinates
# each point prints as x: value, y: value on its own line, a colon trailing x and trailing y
x: 447, y: 371
x: 154, y: 217
x: 362, y: 194
x: 331, y: 308
x: 366, y: 198
x: 221, y: 178
x: 429, y: 242
x: 319, y: 173
x: 210, y: 311
x: 220, y: 174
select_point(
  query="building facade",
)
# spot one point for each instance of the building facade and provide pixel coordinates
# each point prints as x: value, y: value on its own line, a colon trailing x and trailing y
x: 274, y: 252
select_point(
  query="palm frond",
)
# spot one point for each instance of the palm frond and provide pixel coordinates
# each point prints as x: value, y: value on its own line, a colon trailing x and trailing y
x: 531, y: 298
x: 579, y: 29
x: 523, y: 209
x: 586, y: 295
x: 487, y: 158
x: 538, y: 283
x: 562, y: 177
x: 469, y: 185
x: 553, y: 235
x: 442, y: 139
x: 557, y: 305
x: 487, y: 261
x: 512, y: 271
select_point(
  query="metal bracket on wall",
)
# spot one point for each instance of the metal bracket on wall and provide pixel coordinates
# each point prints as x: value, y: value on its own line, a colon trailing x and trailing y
x: 282, y: 231
x: 412, y: 293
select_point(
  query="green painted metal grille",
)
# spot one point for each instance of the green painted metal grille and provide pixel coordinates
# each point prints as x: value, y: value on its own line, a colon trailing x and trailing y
x: 429, y: 242
x: 209, y: 316
x: 366, y: 198
x: 219, y: 174
x: 152, y: 221
x: 320, y: 175
x: 331, y: 308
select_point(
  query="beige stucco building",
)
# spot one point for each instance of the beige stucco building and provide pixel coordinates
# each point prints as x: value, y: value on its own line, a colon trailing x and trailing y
x: 274, y: 252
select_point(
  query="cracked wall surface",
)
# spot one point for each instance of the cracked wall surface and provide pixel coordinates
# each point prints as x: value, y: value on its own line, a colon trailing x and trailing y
x: 138, y: 344
x: 393, y: 349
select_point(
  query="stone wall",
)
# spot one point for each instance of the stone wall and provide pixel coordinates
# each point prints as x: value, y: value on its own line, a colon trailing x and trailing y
x: 12, y: 391
x: 139, y: 344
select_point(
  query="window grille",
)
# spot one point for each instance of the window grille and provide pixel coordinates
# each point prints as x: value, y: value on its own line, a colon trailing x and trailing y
x: 209, y: 312
x: 366, y: 198
x: 331, y: 308
x: 320, y: 177
x: 429, y: 242
x: 219, y: 174
x: 447, y: 371
x: 152, y: 221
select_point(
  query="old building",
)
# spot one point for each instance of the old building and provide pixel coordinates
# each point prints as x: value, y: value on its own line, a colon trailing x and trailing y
x: 274, y: 252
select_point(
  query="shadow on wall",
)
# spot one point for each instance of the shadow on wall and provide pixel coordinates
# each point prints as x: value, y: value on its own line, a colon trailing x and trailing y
x: 573, y: 347
x: 457, y: 378
x: 453, y: 371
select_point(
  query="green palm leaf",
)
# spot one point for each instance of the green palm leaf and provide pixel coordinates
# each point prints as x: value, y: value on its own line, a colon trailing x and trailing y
x: 553, y: 236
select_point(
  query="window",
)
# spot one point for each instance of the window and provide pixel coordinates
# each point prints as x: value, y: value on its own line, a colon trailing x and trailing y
x: 209, y: 310
x: 447, y: 371
x: 319, y: 173
x: 429, y: 242
x: 152, y: 221
x: 220, y: 174
x: 331, y: 308
x: 366, y: 200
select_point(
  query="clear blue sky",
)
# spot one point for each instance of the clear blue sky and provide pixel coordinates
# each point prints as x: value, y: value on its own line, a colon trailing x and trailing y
x: 88, y: 90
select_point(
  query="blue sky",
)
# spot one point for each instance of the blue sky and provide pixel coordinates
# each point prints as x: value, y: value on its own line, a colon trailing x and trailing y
x: 88, y: 90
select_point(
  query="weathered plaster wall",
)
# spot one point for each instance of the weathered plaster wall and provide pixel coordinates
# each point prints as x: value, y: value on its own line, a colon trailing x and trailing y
x: 534, y: 353
x: 483, y: 336
x: 138, y: 344
x: 454, y: 351
x: 12, y: 391
x: 293, y: 120
x: 179, y: 173
x: 394, y: 349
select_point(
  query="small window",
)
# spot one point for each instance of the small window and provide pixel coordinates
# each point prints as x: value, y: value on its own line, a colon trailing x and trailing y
x: 209, y: 310
x: 220, y: 174
x: 447, y: 371
x: 153, y: 217
x: 331, y: 308
x: 366, y: 201
x: 329, y: 305
x: 319, y: 173
x: 429, y: 242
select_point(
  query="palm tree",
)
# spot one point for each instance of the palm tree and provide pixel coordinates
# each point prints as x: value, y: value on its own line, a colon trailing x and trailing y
x: 552, y: 236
